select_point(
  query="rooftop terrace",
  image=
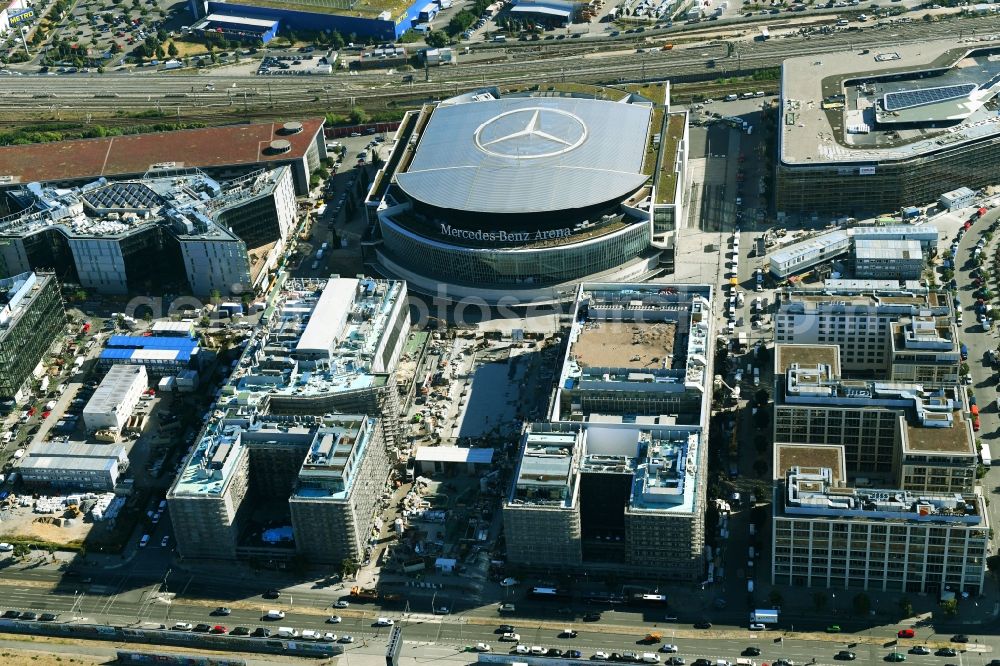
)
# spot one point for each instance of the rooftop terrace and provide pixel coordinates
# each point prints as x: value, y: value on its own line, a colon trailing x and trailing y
x: 325, y: 336
x: 811, y: 491
x: 824, y: 97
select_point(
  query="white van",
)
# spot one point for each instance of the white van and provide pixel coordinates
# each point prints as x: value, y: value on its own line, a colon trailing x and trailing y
x: 537, y: 649
x: 310, y: 635
x: 275, y: 615
x: 287, y: 632
x: 731, y: 98
x: 143, y: 541
x: 650, y: 658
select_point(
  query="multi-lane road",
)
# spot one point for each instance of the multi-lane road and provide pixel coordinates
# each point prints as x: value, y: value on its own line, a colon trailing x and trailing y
x: 233, y: 92
x: 137, y: 596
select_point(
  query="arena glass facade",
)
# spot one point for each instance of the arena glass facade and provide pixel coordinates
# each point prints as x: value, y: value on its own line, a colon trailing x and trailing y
x: 513, y: 266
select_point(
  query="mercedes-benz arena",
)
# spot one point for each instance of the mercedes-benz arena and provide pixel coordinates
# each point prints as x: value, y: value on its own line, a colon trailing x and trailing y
x: 520, y: 196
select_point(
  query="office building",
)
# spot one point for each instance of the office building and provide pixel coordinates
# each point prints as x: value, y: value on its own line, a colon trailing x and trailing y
x: 71, y: 467
x: 31, y: 316
x: 115, y: 398
x: 888, y: 259
x: 523, y: 196
x: 331, y: 346
x: 898, y: 432
x: 856, y: 318
x: 337, y: 492
x: 895, y: 127
x: 313, y: 481
x: 828, y: 534
x: 184, y: 230
x: 925, y: 350
x: 615, y: 482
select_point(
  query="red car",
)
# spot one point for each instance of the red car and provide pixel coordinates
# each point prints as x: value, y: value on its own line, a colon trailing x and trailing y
x: 904, y: 633
x: 968, y: 225
x: 219, y: 629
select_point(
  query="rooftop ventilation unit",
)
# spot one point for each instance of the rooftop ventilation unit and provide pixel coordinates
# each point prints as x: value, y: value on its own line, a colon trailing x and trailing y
x: 291, y: 127
x: 279, y: 146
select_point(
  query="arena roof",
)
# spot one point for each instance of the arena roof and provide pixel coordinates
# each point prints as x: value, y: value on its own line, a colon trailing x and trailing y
x: 135, y: 154
x: 527, y: 155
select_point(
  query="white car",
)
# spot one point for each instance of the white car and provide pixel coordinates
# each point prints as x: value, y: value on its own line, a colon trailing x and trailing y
x: 510, y: 637
x: 668, y: 647
x: 508, y: 582
x: 483, y: 647
x: 183, y: 626
x: 757, y: 626
x: 601, y: 656
x: 342, y: 604
x: 334, y: 619
x: 6, y: 547
x: 384, y: 622
x: 329, y: 637
x: 522, y: 649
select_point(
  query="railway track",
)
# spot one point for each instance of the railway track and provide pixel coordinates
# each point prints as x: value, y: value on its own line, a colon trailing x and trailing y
x: 183, y: 96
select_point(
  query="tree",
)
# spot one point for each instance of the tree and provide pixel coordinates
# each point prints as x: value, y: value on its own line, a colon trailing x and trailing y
x: 160, y: 53
x: 906, y: 607
x: 172, y: 50
x: 348, y: 567
x: 950, y: 607
x: 358, y: 115
x: 775, y: 598
x: 436, y: 39
x: 819, y: 601
x: 862, y: 604
x: 21, y: 550
x: 762, y: 397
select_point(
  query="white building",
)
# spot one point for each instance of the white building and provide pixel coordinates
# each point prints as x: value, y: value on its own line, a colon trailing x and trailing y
x: 963, y: 197
x: 73, y: 467
x: 115, y: 397
x: 899, y: 259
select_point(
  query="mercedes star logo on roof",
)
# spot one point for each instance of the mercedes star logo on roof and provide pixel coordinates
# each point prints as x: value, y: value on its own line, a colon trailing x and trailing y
x: 531, y: 133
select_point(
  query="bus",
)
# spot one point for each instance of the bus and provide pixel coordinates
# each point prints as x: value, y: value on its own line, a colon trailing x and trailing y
x: 548, y: 593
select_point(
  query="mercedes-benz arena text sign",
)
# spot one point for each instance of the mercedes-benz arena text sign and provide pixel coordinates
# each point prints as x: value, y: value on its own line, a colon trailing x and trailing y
x: 504, y: 236
x: 531, y: 133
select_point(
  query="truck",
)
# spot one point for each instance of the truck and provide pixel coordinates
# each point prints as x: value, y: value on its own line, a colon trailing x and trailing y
x: 173, y: 64
x: 372, y: 594
x: 984, y: 455
x: 764, y: 34
x: 964, y: 350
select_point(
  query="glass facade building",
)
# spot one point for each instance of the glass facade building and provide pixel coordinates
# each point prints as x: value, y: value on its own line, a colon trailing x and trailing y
x: 32, y: 316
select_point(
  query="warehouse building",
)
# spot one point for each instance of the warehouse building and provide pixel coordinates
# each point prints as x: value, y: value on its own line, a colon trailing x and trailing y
x: 115, y: 398
x: 828, y: 534
x: 898, y: 127
x: 855, y: 317
x: 31, y: 316
x: 898, y: 432
x: 614, y: 482
x: 185, y: 229
x: 74, y: 466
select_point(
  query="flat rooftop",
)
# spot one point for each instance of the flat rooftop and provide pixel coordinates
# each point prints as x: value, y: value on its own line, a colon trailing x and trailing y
x: 810, y: 491
x: 17, y: 293
x: 136, y: 154
x: 818, y: 108
x: 547, y: 472
x: 958, y: 438
x: 640, y: 345
x: 330, y: 468
x: 810, y: 457
x: 342, y: 351
x: 806, y: 356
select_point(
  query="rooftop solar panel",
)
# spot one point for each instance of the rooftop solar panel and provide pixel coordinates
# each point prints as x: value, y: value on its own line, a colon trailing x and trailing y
x: 906, y: 99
